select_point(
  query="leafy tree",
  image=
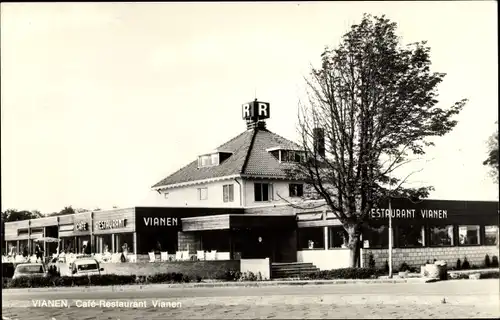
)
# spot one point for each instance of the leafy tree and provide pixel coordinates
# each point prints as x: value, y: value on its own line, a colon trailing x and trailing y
x: 492, y: 160
x: 374, y: 101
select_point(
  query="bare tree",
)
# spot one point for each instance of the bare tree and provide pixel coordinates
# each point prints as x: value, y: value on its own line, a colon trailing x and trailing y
x: 371, y: 106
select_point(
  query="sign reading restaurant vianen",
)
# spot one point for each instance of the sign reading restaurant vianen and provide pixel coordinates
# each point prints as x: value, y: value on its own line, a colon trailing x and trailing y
x: 410, y: 213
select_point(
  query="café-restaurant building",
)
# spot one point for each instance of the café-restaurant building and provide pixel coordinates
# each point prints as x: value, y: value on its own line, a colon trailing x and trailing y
x: 236, y: 199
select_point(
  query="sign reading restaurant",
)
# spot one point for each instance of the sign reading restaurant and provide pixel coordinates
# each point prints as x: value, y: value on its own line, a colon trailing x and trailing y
x: 409, y: 213
x: 110, y: 224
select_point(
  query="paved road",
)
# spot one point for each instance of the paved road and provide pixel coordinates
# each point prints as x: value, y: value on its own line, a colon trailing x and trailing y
x: 463, y: 299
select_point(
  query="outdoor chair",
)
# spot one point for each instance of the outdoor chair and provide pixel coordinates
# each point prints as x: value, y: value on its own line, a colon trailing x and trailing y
x: 200, y: 255
x: 164, y: 256
x: 132, y: 258
x: 211, y: 255
x: 152, y: 257
x: 185, y: 256
x: 178, y: 255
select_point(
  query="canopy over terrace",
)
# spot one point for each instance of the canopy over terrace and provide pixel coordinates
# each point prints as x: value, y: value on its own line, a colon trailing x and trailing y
x: 242, y: 235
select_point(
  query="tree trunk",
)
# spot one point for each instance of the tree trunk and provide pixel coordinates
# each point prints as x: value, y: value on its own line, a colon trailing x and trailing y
x: 354, y: 244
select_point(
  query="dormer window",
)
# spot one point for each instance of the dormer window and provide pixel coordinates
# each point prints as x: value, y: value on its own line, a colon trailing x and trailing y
x: 212, y: 159
x: 287, y: 155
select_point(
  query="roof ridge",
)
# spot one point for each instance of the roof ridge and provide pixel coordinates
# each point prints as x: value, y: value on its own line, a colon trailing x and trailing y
x: 229, y: 141
x: 249, y: 151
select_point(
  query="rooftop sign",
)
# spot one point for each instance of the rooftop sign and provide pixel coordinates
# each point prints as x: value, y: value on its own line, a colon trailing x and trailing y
x: 255, y: 110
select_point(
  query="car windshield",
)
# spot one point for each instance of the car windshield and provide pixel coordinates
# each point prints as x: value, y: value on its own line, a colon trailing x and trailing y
x: 36, y: 268
x: 87, y: 266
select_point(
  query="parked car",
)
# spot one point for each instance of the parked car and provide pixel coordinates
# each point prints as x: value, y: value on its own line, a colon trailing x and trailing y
x: 85, y: 267
x: 30, y: 270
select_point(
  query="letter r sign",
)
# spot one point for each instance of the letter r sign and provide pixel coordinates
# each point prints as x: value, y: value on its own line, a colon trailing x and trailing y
x: 247, y: 111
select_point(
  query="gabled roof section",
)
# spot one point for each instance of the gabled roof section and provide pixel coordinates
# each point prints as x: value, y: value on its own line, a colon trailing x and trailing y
x: 249, y: 157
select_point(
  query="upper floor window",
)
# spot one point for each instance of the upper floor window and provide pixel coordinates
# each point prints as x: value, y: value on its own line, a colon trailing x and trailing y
x: 228, y: 192
x: 213, y: 159
x: 296, y: 189
x: 263, y: 191
x: 284, y: 155
x: 203, y: 193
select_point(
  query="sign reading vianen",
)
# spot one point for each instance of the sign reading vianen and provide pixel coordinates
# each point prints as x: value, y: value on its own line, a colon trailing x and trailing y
x: 164, y: 222
x: 409, y: 213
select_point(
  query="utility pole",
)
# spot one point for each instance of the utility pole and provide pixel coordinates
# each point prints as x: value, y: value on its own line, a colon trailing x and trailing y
x: 390, y: 225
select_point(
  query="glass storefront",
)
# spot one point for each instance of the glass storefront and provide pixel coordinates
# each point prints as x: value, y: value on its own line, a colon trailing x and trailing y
x: 377, y: 237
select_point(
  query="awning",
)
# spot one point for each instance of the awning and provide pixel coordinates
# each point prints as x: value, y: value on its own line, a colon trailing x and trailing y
x: 232, y: 221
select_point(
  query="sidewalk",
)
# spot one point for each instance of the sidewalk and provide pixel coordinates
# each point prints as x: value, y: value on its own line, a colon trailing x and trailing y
x: 218, y: 284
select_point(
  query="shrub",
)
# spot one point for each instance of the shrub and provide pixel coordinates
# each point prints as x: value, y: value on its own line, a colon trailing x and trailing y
x: 172, y: 277
x: 459, y: 264
x: 248, y: 276
x: 487, y: 261
x: 345, y: 273
x: 427, y: 262
x: 465, y: 264
x: 6, y: 282
x: 404, y: 267
x: 230, y: 275
x: 494, y: 261
x: 371, y: 261
x: 386, y: 266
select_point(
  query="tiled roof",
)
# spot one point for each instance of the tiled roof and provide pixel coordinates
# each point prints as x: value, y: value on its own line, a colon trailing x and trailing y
x: 249, y: 157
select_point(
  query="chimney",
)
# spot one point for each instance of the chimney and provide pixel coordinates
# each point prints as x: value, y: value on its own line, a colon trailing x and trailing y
x: 319, y: 141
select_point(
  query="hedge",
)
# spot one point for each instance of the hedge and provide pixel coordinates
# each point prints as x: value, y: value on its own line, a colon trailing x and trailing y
x: 345, y: 273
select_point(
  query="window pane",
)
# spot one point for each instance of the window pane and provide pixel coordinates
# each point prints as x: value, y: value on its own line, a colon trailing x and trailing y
x: 203, y: 193
x: 231, y: 193
x: 215, y: 159
x: 311, y: 238
x: 124, y: 242
x: 441, y: 236
x: 468, y: 235
x: 491, y: 235
x: 224, y: 193
x: 257, y: 191
x: 265, y: 192
x: 410, y: 236
x: 377, y: 237
x: 337, y: 237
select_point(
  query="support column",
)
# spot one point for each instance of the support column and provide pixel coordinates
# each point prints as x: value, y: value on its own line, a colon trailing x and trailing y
x: 45, y: 243
x: 29, y: 237
x: 18, y: 250
x: 325, y: 235
x: 92, y: 241
x: 135, y: 242
x: 113, y: 243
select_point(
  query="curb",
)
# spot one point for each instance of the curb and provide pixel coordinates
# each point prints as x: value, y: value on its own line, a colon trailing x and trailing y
x: 218, y: 285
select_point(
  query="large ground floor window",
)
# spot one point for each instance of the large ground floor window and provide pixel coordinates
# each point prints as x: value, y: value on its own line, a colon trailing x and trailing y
x: 68, y: 245
x: 217, y: 240
x: 376, y: 237
x: 410, y: 236
x: 468, y: 235
x: 124, y: 242
x: 103, y: 243
x: 311, y: 238
x: 441, y: 236
x: 337, y: 237
x: 491, y: 235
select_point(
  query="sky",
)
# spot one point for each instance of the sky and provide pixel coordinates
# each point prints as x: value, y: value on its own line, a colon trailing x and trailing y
x: 99, y: 101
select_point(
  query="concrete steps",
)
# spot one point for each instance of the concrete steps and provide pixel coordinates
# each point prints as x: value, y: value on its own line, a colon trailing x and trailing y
x: 291, y: 269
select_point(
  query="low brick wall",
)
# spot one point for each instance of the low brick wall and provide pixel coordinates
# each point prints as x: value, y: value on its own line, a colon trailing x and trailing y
x: 204, y: 269
x: 417, y: 257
